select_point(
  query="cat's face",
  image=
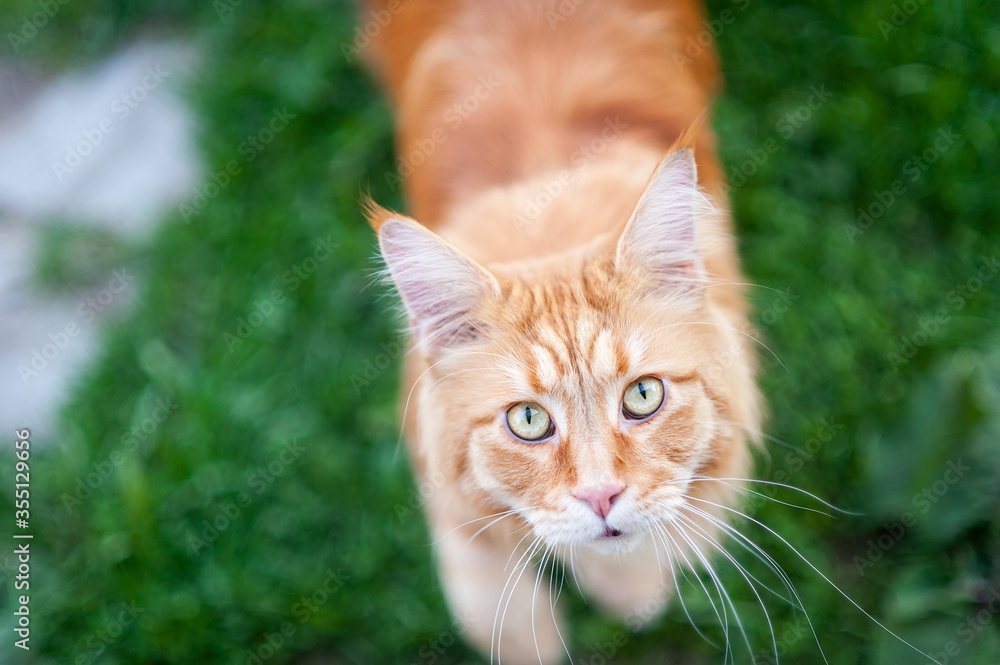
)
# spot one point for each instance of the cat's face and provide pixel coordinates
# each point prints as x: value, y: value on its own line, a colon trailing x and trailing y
x: 585, y: 394
x: 590, y: 413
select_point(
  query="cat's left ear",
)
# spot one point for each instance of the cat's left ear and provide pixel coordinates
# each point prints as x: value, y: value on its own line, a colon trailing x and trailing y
x: 659, y: 246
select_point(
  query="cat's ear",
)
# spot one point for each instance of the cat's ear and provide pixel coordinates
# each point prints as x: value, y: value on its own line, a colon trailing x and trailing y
x: 442, y: 289
x: 659, y: 246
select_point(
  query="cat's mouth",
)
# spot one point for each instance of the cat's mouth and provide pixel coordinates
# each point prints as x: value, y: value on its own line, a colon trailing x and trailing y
x: 611, y: 533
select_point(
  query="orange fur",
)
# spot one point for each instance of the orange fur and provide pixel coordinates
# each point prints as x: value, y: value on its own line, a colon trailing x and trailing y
x: 560, y: 271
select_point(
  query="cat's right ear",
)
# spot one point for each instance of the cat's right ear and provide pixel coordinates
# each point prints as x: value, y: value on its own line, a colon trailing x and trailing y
x: 441, y: 288
x: 660, y: 241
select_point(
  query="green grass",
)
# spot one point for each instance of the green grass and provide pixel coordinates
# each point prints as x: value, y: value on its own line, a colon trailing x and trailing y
x: 870, y: 430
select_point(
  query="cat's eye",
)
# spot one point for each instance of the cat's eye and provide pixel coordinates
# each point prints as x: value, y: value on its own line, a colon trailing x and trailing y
x: 529, y: 421
x: 643, y: 397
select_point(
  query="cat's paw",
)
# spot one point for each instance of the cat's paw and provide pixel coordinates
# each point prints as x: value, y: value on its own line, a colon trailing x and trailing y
x: 503, y: 610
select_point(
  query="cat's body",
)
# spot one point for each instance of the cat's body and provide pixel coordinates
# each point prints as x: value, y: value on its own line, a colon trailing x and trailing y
x: 530, y: 132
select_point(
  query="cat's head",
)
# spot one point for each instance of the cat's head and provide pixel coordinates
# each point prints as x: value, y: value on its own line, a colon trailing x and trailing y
x: 590, y: 391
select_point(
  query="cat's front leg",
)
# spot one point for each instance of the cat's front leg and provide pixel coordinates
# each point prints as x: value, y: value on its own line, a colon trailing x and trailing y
x: 633, y: 586
x: 499, y: 597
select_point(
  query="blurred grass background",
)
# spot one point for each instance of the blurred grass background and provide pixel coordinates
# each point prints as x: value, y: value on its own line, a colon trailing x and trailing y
x: 888, y: 332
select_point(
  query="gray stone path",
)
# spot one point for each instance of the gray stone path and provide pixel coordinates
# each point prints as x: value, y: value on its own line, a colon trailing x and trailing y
x: 111, y: 146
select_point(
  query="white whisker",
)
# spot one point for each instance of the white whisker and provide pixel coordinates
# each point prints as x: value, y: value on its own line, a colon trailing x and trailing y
x: 546, y: 556
x: 740, y: 570
x: 502, y: 517
x: 747, y: 543
x: 677, y: 550
x: 478, y: 519
x: 818, y: 572
x: 720, y: 589
x: 775, y: 484
x: 552, y: 608
x: 724, y: 617
x: 529, y: 553
x: 494, y: 641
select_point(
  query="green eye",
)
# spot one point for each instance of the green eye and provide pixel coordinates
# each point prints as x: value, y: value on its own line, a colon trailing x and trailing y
x: 529, y: 421
x: 643, y: 397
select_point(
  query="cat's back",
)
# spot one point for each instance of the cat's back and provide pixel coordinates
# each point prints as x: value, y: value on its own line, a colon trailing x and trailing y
x: 488, y: 93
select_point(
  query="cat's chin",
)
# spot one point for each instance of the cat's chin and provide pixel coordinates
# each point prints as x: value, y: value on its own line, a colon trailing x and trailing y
x: 615, y: 542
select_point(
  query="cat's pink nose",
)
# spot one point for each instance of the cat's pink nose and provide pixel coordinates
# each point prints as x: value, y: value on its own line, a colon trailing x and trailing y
x: 600, y: 498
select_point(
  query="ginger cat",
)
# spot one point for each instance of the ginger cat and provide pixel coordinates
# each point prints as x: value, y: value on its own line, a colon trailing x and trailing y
x: 581, y: 381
